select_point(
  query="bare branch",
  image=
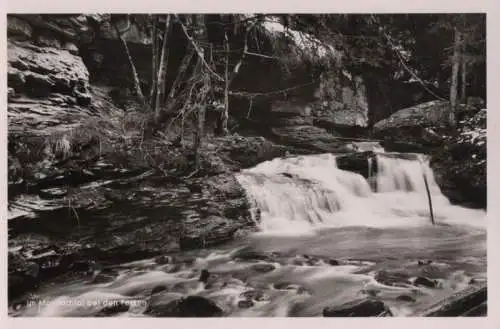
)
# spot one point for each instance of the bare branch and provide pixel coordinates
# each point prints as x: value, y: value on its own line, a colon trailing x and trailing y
x: 198, y: 50
x: 402, y: 61
x: 275, y: 92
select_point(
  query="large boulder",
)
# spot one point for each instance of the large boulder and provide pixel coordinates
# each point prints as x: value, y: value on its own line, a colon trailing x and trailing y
x: 218, y: 211
x: 44, y: 70
x: 433, y: 113
x: 343, y: 100
x: 309, y: 139
x: 240, y: 152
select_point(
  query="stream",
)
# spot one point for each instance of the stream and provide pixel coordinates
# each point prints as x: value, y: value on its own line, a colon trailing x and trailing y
x: 326, y: 236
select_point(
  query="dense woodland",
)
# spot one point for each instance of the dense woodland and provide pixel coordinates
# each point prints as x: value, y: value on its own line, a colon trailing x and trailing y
x: 444, y: 55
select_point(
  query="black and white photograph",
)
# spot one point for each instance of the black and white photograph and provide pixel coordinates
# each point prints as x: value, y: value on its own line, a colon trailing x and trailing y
x: 195, y: 165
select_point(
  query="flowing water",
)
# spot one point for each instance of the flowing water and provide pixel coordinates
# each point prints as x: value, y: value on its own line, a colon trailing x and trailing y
x: 326, y: 236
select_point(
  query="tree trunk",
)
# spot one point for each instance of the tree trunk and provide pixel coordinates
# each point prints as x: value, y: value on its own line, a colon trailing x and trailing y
x: 225, y: 113
x: 454, y: 77
x: 463, y: 89
x: 183, y: 68
x: 135, y: 76
x: 154, y: 73
x: 162, y: 70
x: 201, y: 35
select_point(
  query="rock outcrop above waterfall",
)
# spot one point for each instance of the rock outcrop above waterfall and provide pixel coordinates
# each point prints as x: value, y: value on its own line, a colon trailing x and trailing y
x: 458, y: 156
x: 460, y: 166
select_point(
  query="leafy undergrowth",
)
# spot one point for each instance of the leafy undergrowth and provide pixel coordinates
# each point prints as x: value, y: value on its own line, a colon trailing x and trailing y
x: 461, y: 164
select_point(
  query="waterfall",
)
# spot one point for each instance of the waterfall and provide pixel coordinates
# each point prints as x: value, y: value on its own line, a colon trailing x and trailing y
x: 300, y: 194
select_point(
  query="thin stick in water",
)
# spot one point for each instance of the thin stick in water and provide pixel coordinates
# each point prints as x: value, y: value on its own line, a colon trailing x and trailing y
x: 428, y: 196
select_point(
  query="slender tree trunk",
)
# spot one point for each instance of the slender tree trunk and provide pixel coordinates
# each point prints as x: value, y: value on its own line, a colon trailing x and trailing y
x: 135, y: 76
x: 454, y: 77
x: 154, y: 73
x: 463, y: 89
x: 183, y: 68
x: 201, y: 34
x: 162, y: 70
x: 225, y: 113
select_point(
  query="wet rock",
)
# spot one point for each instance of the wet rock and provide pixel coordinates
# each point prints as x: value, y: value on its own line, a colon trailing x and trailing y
x: 393, y: 278
x: 256, y: 295
x: 113, y: 309
x: 333, y: 262
x: 358, y: 308
x: 251, y: 255
x: 424, y: 262
x: 191, y: 306
x: 406, y: 298
x: 359, y: 163
x: 158, y: 289
x: 162, y: 260
x: 263, y: 268
x: 285, y: 286
x: 426, y: 282
x: 172, y: 268
x: 204, y: 276
x: 105, y: 276
x: 245, y: 303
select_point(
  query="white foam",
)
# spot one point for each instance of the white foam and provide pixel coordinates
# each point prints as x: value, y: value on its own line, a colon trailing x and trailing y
x: 298, y: 195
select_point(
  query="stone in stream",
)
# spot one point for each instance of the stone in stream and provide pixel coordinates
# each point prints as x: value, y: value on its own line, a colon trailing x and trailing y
x: 256, y: 295
x: 333, y: 262
x: 113, y: 309
x: 245, y: 303
x: 204, y: 276
x: 158, y: 289
x: 263, y: 268
x: 426, y: 282
x: 358, y: 163
x: 406, y: 298
x: 191, y: 306
x: 251, y: 255
x: 286, y: 286
x: 104, y: 277
x: 162, y: 260
x: 358, y: 308
x: 424, y: 262
x: 392, y: 278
